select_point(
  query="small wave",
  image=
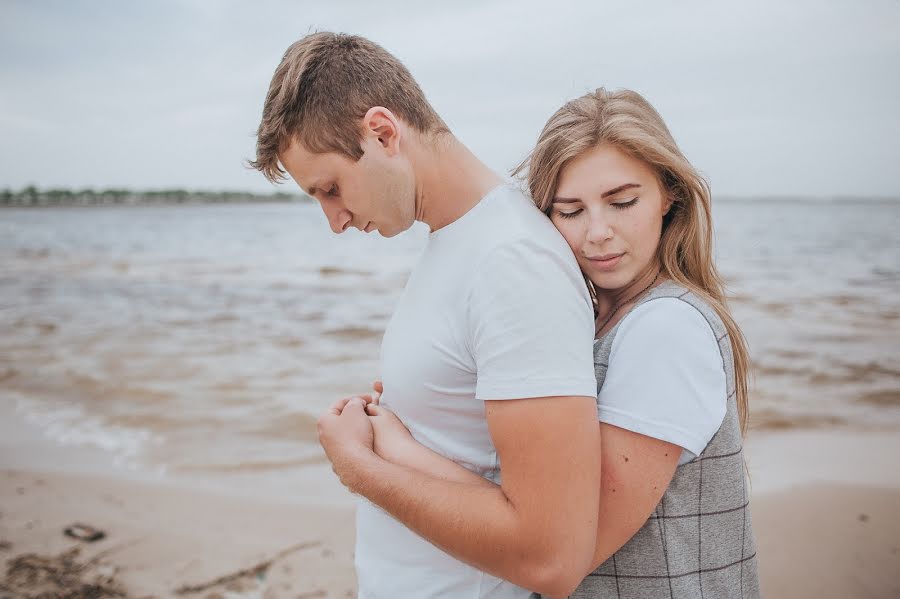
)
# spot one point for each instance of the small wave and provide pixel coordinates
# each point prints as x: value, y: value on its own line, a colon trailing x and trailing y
x: 68, y: 424
x: 766, y: 419
x: 332, y: 271
x: 867, y: 372
x: 354, y: 333
x: 846, y: 300
x: 893, y: 275
x: 248, y: 467
x: 777, y: 308
x: 781, y: 370
x: 889, y: 398
x: 223, y: 317
x: 293, y: 426
x: 42, y: 327
x: 312, y: 316
x: 147, y: 421
x: 289, y: 342
x: 792, y: 354
x: 837, y: 372
x: 32, y: 253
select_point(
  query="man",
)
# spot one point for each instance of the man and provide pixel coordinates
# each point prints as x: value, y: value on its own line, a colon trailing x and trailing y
x: 487, y: 358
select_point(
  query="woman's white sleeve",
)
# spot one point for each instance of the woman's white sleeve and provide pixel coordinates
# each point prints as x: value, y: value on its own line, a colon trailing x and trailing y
x: 666, y: 377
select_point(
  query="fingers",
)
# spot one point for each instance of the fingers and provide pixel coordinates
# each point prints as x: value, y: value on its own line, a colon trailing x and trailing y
x: 356, y: 402
x: 373, y: 409
x: 337, y: 407
x: 379, y: 389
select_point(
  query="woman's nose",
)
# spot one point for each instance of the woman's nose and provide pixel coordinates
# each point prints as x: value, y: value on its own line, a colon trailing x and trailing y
x: 599, y: 229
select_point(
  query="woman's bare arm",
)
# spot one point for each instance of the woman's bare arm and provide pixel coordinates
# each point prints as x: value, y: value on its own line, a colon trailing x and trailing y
x: 394, y: 443
x: 635, y: 472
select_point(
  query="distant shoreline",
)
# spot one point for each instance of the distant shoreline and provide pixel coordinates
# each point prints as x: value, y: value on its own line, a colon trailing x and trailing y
x: 32, y: 197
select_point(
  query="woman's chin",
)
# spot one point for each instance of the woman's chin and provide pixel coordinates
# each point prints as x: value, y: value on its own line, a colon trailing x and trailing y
x: 609, y: 281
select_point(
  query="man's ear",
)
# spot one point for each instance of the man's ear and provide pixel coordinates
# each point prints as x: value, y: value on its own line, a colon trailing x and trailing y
x: 382, y: 126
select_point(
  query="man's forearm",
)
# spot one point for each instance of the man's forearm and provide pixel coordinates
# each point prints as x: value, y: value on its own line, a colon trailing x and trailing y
x: 418, y: 457
x: 473, y: 521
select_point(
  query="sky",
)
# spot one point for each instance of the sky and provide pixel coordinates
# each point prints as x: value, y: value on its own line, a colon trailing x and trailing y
x: 771, y: 98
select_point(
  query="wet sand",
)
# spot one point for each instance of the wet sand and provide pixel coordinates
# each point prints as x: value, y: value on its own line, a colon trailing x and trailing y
x: 162, y: 539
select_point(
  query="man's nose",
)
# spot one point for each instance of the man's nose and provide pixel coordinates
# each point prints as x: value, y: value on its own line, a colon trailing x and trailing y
x: 338, y: 217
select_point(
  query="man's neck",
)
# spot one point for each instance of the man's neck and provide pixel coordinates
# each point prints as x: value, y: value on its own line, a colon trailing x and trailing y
x: 450, y: 181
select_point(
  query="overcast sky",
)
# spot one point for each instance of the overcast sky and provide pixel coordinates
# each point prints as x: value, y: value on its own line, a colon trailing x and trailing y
x: 765, y: 97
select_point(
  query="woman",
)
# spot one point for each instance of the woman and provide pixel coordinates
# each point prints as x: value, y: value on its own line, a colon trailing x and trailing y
x: 671, y: 363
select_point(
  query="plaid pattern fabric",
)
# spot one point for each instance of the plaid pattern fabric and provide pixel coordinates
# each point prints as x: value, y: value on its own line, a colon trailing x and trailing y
x: 699, y: 541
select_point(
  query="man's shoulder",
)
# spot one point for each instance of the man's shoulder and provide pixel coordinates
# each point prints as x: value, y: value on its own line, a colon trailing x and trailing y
x: 513, y: 222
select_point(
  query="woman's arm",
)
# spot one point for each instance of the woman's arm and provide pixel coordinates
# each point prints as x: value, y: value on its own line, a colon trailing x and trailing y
x: 394, y: 443
x: 635, y: 472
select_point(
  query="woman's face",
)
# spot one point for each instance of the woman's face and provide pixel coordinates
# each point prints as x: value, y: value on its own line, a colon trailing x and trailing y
x: 609, y: 207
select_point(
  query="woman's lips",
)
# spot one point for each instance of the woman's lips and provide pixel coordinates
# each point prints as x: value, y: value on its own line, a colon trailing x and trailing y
x: 606, y: 262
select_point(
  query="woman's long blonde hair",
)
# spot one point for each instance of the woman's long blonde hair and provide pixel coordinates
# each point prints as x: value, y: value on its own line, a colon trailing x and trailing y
x: 627, y: 121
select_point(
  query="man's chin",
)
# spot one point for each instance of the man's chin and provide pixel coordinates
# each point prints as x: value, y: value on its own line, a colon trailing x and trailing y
x: 388, y: 231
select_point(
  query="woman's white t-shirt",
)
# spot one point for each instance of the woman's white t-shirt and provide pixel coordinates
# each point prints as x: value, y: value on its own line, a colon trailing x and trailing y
x: 665, y: 378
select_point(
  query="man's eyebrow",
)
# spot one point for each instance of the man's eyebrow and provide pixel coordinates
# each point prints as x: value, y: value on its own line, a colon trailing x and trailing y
x: 618, y: 189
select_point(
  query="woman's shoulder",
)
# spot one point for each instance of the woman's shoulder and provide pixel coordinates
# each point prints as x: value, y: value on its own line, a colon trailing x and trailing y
x: 665, y: 375
x: 667, y: 317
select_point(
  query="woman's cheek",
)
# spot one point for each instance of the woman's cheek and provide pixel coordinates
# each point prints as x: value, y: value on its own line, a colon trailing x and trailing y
x: 569, y: 232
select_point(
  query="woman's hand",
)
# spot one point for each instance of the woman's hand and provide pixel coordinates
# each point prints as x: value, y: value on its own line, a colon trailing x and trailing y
x: 378, y: 388
x: 393, y: 441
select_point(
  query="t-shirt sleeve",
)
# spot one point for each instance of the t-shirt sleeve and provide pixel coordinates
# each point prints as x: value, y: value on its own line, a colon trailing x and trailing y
x: 530, y: 324
x: 665, y: 378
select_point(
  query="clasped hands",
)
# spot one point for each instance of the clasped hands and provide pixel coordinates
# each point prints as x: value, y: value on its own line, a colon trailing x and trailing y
x: 355, y: 427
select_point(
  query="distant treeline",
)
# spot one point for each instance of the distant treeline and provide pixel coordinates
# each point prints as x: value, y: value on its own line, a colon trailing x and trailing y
x: 32, y: 196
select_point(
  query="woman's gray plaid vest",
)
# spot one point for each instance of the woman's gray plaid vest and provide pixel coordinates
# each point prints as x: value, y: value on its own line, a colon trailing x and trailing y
x: 699, y: 541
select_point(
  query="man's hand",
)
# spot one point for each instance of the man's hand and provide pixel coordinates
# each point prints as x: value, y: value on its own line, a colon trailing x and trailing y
x: 346, y: 435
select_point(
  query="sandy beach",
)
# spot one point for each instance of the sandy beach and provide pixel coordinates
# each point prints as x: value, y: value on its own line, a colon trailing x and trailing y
x: 826, y: 510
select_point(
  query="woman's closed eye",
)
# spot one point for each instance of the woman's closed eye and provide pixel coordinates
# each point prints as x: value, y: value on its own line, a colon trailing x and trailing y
x: 625, y: 204
x: 571, y: 214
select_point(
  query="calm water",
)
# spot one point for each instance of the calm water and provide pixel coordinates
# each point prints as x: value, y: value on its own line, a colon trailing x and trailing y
x: 206, y: 339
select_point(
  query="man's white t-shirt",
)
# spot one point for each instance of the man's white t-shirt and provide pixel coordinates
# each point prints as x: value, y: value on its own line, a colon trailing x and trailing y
x: 666, y: 378
x: 495, y: 309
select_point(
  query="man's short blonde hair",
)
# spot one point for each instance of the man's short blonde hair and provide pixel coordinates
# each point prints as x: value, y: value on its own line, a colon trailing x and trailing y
x: 323, y: 87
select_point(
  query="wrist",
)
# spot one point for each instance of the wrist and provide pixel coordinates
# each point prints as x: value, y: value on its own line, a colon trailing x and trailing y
x: 353, y: 467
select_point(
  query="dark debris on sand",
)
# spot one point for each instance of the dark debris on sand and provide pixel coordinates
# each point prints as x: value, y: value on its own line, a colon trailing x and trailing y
x: 63, y: 576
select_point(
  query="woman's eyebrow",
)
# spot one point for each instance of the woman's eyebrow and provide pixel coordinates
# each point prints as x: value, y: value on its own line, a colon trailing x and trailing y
x: 618, y: 189
x: 605, y: 194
